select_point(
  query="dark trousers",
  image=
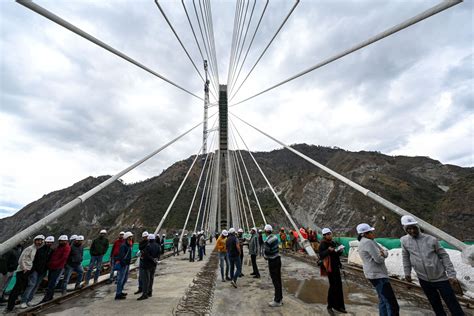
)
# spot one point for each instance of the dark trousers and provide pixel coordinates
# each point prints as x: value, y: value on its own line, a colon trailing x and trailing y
x: 141, y: 272
x: 200, y: 252
x: 18, y: 289
x: 388, y: 305
x: 184, y: 248
x: 433, y: 290
x: 147, y: 280
x: 192, y: 253
x: 335, y: 295
x: 53, y: 279
x: 274, y: 266
x: 235, y: 263
x: 254, y: 265
x: 241, y: 259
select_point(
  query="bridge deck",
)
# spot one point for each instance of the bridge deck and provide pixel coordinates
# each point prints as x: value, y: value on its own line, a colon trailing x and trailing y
x: 304, y: 293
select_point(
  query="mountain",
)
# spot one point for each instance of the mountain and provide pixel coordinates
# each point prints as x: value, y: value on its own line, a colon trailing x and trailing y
x: 441, y: 194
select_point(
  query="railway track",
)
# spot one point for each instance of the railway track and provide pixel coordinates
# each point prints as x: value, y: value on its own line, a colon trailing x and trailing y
x: 38, y: 309
x: 406, y: 290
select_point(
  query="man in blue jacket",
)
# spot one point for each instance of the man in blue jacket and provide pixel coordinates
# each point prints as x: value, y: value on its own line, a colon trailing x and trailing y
x: 122, y: 263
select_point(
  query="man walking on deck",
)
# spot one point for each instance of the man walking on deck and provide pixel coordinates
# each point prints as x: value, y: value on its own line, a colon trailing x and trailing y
x: 141, y: 246
x: 98, y: 249
x: 185, y: 243
x: 233, y: 253
x: 274, y: 265
x: 192, y: 248
x: 432, y: 265
x: 222, y: 251
x: 176, y: 245
x: 240, y: 237
x: 253, y: 250
x: 122, y: 263
x: 150, y: 257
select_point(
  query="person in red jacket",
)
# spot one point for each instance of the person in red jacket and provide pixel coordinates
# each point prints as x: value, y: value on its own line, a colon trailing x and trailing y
x: 115, y: 251
x: 56, y: 266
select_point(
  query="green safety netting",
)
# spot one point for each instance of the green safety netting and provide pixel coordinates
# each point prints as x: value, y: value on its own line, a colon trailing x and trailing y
x: 87, y: 258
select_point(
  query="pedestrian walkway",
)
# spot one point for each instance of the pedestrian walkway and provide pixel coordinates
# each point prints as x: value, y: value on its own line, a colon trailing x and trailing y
x: 172, y: 278
x: 304, y: 293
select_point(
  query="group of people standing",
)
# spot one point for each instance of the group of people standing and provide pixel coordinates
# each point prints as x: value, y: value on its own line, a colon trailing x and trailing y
x: 229, y: 246
x: 420, y: 252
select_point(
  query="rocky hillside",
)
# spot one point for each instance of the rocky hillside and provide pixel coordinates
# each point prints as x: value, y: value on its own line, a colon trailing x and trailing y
x: 440, y: 194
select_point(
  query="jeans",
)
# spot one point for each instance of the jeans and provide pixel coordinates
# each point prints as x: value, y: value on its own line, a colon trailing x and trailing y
x: 184, y: 248
x: 235, y: 262
x: 112, y: 270
x: 147, y: 280
x: 175, y: 250
x: 141, y: 273
x: 388, y: 305
x: 200, y: 252
x: 254, y: 265
x: 192, y: 253
x: 122, y: 276
x: 68, y: 272
x: 53, y: 279
x: 96, y: 261
x: 223, y: 258
x: 34, y: 281
x: 274, y: 266
x: 433, y: 290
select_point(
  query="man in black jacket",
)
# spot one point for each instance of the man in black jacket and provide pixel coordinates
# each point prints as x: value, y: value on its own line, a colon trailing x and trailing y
x: 98, y: 249
x: 150, y: 257
x: 39, y: 270
x: 74, y: 263
x: 141, y: 246
x: 192, y: 247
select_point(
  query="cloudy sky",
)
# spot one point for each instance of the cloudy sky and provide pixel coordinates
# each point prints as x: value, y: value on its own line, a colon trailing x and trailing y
x: 69, y: 109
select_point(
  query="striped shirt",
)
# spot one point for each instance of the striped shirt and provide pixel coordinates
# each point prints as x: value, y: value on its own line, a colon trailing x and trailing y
x: 271, y: 247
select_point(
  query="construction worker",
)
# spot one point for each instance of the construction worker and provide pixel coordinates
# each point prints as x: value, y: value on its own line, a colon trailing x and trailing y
x: 274, y: 265
x: 260, y: 242
x: 71, y: 239
x: 149, y: 259
x: 240, y: 236
x: 432, y: 265
x: 201, y: 245
x: 98, y: 249
x: 115, y: 250
x: 176, y: 245
x: 192, y: 247
x: 25, y: 264
x: 233, y: 253
x: 122, y: 264
x: 222, y: 252
x: 141, y: 246
x: 185, y: 243
x: 283, y: 238
x: 74, y: 263
x: 373, y: 258
x: 56, y: 266
x: 329, y: 253
x: 38, y: 271
x: 253, y: 250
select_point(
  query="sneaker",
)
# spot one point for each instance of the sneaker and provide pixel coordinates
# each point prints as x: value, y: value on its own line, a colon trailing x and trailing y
x: 233, y: 283
x: 227, y: 278
x: 29, y: 304
x: 150, y: 294
x: 256, y: 276
x: 138, y: 292
x: 340, y: 310
x: 275, y: 304
x: 223, y: 280
x: 253, y: 273
x: 120, y: 297
x: 141, y: 298
x: 23, y: 305
x: 124, y: 294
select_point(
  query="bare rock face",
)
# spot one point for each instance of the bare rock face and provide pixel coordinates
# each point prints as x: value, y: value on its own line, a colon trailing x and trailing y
x: 440, y: 194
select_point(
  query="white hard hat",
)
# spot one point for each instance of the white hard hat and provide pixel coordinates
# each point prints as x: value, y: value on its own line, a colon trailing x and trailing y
x: 103, y: 231
x: 240, y: 230
x: 268, y: 227
x: 80, y: 238
x: 62, y: 237
x: 326, y: 231
x: 49, y: 239
x: 232, y: 230
x: 73, y: 237
x: 39, y: 237
x: 151, y: 237
x: 145, y: 234
x: 176, y: 234
x: 122, y: 233
x: 127, y: 234
x: 259, y: 230
x: 163, y: 235
x: 364, y: 228
x: 408, y: 220
x: 225, y: 233
x: 254, y: 229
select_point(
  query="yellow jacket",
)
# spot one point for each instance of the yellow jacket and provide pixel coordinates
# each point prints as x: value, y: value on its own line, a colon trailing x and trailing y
x: 220, y: 244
